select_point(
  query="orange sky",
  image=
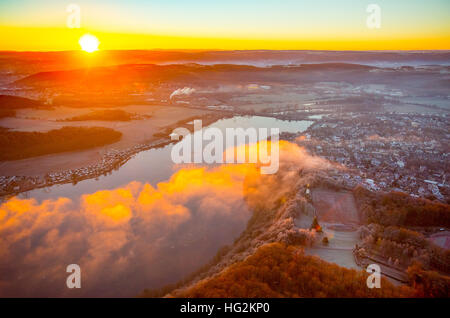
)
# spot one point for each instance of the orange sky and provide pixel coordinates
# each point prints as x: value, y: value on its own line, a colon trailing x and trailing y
x: 197, y: 24
x: 57, y: 39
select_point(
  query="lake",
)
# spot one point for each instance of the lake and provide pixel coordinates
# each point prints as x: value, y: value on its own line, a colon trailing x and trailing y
x: 155, y: 165
x: 144, y: 225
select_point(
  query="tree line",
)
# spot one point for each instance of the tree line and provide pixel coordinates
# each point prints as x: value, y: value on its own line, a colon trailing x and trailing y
x: 278, y: 270
x: 19, y: 144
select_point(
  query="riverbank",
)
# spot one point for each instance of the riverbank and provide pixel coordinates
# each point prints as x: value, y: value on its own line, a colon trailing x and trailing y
x: 11, y: 185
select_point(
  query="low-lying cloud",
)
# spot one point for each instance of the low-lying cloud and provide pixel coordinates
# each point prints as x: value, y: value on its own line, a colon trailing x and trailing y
x: 137, y: 236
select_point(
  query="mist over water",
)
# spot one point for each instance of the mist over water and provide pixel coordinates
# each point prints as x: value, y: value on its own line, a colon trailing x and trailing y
x: 155, y: 165
x: 147, y: 224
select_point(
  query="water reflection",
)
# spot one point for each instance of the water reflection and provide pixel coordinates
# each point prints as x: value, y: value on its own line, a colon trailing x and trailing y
x: 155, y: 165
x: 144, y: 225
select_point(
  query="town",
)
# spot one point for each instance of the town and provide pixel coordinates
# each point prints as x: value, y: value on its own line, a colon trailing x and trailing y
x: 385, y: 151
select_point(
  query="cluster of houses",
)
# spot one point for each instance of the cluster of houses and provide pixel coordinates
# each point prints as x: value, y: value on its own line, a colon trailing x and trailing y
x: 110, y: 160
x: 389, y: 151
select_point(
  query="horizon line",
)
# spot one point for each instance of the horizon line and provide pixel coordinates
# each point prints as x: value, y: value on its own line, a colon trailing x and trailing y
x: 227, y: 50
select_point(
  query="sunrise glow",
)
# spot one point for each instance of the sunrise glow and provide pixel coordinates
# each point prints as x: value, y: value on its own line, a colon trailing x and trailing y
x: 89, y: 43
x: 297, y: 25
x: 229, y: 149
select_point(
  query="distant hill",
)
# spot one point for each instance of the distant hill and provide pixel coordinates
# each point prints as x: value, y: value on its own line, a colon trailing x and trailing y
x: 133, y: 74
x: 33, y: 62
x: 8, y: 102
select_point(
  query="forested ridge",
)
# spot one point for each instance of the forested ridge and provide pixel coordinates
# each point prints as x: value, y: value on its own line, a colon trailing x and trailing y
x: 19, y: 144
x: 278, y: 270
x: 105, y: 115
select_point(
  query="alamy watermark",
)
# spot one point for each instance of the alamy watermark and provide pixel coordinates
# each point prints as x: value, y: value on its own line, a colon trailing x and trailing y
x: 73, y: 20
x: 374, y: 279
x: 74, y: 279
x: 239, y: 146
x: 374, y: 19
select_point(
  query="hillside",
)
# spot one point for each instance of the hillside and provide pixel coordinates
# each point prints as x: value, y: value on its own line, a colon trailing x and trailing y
x: 106, y: 115
x: 15, y: 102
x: 95, y: 78
x: 19, y: 145
x: 23, y: 62
x: 268, y: 259
x: 278, y: 270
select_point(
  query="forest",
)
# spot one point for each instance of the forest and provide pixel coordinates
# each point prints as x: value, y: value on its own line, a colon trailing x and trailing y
x: 278, y: 270
x: 106, y: 115
x: 396, y: 229
x: 16, y: 102
x: 9, y: 104
x: 19, y: 144
x: 7, y: 113
x: 400, y: 209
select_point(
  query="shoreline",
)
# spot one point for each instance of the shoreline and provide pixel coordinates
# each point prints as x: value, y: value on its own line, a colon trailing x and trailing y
x: 111, y: 160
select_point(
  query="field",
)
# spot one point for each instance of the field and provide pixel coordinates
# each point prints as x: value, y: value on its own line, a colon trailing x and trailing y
x: 133, y: 133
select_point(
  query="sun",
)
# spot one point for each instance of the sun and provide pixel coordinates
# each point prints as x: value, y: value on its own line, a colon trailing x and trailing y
x: 89, y: 43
